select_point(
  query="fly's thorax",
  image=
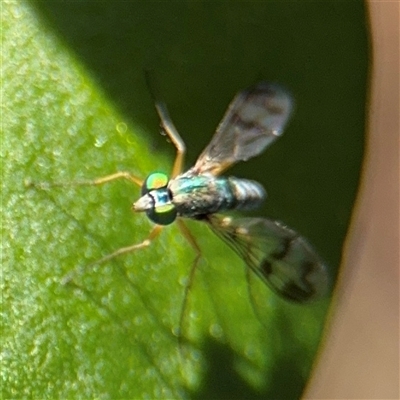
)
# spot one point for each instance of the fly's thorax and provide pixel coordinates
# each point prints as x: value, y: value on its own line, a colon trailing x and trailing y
x: 156, y: 199
x: 198, y: 195
x: 195, y: 195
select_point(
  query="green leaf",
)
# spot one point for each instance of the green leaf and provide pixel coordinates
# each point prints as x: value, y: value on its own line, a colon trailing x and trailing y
x: 113, y: 332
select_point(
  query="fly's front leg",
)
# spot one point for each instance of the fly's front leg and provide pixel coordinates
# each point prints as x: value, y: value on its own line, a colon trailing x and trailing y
x: 95, y: 182
x: 118, y: 175
x: 169, y: 128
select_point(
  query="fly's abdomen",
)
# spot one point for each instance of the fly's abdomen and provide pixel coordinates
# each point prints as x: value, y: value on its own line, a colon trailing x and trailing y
x: 246, y: 194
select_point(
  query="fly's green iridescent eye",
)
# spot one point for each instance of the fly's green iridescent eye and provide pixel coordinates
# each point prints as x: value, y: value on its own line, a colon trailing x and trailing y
x: 156, y: 180
x: 163, y: 212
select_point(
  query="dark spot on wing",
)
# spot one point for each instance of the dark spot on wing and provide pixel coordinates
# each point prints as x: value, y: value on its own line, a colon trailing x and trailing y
x: 291, y: 291
x: 274, y: 109
x: 262, y: 90
x: 284, y: 248
x: 266, y: 267
x: 307, y: 267
x: 244, y: 125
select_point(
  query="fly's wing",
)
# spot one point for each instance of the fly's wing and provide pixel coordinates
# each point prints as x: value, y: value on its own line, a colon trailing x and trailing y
x: 285, y: 261
x: 254, y: 119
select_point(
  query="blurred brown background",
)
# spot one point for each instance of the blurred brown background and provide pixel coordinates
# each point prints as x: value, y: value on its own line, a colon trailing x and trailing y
x: 360, y: 359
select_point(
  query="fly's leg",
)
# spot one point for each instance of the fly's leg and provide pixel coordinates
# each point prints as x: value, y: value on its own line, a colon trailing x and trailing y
x: 123, y: 250
x: 189, y: 237
x: 95, y: 182
x: 169, y: 128
x: 117, y: 175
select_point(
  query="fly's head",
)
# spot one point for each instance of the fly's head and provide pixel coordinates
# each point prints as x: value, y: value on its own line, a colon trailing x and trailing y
x: 156, y: 199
